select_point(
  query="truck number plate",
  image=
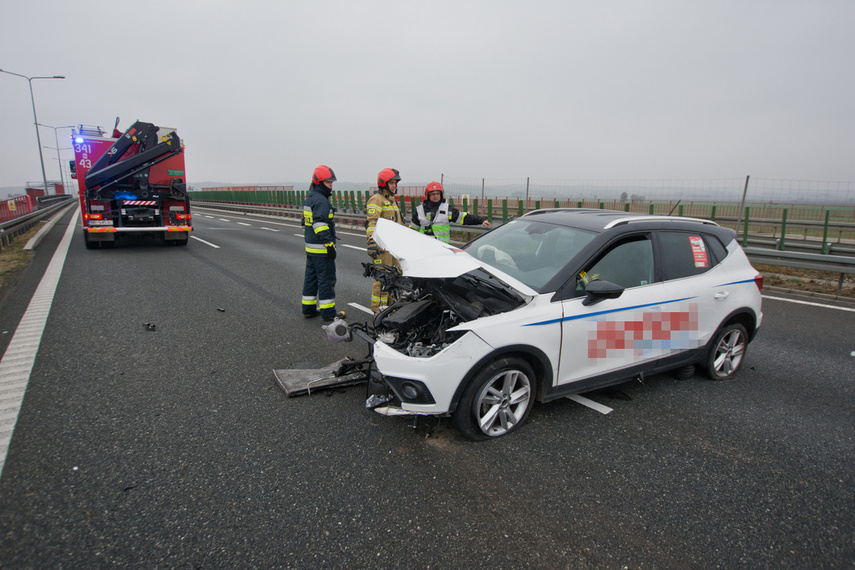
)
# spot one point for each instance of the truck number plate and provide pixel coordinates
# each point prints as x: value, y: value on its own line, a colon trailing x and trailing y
x: 100, y: 222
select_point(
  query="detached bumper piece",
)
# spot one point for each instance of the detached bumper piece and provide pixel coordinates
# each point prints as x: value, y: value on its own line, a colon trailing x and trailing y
x: 345, y: 372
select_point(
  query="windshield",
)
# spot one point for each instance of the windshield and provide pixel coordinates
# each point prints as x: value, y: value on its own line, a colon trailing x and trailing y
x: 533, y: 252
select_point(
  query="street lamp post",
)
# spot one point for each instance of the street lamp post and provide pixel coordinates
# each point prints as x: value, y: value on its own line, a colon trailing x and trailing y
x: 56, y: 138
x: 35, y: 118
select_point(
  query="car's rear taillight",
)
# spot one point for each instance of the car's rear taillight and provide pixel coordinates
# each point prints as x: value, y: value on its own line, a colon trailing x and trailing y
x: 759, y: 282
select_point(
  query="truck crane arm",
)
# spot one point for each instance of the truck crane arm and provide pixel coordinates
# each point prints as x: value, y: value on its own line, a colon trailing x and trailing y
x: 112, y: 168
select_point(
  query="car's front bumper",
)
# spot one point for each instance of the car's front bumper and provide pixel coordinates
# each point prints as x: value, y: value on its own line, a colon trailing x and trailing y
x: 440, y: 374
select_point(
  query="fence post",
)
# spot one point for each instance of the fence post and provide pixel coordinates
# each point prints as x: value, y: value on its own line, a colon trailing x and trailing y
x: 651, y: 208
x: 783, y: 230
x: 537, y: 204
x: 505, y: 211
x: 680, y: 210
x: 490, y: 210
x: 475, y: 206
x: 825, y: 234
x: 520, y: 204
x: 626, y: 207
x: 745, y: 231
x: 465, y: 205
x: 712, y: 213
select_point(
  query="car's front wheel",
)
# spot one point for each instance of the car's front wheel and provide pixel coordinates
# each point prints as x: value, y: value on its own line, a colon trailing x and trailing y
x: 728, y: 352
x: 497, y: 400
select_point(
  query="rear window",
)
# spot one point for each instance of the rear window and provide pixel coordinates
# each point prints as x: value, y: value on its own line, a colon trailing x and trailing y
x: 686, y: 253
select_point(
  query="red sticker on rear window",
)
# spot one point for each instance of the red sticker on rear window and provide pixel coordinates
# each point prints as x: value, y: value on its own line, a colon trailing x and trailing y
x: 699, y: 250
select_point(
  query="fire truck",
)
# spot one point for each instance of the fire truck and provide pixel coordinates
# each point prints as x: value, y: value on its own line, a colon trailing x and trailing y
x: 131, y: 184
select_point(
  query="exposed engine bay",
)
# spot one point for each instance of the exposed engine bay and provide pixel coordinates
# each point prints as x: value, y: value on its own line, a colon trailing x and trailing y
x: 423, y: 311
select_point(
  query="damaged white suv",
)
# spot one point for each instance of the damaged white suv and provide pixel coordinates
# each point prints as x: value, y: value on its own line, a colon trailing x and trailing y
x: 554, y: 303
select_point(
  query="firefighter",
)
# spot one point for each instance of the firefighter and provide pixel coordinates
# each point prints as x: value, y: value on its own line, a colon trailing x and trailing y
x: 435, y: 216
x: 383, y: 204
x: 319, y: 232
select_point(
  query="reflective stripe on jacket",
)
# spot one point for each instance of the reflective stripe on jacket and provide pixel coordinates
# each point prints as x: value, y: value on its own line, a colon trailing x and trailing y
x: 318, y: 222
x: 381, y: 205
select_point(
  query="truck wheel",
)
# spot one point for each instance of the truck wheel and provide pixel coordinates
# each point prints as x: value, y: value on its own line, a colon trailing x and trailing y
x: 497, y: 400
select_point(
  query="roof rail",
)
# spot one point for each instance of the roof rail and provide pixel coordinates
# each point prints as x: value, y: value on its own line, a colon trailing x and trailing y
x: 638, y: 219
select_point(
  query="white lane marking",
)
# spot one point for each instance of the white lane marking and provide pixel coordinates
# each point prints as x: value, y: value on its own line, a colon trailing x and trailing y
x: 808, y: 303
x: 269, y: 229
x: 361, y: 308
x: 265, y: 219
x: 206, y: 242
x: 353, y: 247
x: 20, y: 356
x: 589, y: 403
x: 244, y: 224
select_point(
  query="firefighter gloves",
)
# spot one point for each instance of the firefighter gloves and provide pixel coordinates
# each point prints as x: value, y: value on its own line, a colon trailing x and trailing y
x: 373, y: 250
x: 330, y: 250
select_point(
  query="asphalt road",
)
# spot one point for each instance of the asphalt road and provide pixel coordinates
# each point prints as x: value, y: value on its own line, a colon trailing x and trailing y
x: 174, y: 447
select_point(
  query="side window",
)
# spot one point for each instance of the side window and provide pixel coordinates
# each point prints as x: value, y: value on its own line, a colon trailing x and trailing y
x: 628, y: 263
x: 685, y: 254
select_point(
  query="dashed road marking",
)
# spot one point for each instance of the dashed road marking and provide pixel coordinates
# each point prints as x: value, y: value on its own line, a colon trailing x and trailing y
x: 361, y: 308
x: 590, y: 403
x: 809, y: 303
x: 206, y: 242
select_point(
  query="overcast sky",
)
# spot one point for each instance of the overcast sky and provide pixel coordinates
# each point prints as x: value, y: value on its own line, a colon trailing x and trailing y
x: 262, y: 92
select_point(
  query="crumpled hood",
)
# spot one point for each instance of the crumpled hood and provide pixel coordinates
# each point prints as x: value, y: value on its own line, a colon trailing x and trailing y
x: 427, y: 257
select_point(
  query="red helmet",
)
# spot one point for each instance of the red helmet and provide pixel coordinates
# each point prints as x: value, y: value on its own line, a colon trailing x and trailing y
x: 434, y: 187
x: 322, y: 174
x: 387, y: 175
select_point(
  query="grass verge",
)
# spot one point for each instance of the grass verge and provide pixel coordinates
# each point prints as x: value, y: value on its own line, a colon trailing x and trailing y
x: 14, y: 259
x: 825, y: 282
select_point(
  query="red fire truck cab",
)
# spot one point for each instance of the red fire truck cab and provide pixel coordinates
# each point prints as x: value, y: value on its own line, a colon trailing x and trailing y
x: 131, y: 184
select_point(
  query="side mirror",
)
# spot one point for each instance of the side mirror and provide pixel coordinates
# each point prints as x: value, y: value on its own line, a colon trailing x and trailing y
x: 598, y: 290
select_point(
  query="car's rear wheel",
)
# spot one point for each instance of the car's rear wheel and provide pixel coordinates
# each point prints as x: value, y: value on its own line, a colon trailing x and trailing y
x: 728, y: 352
x: 497, y: 400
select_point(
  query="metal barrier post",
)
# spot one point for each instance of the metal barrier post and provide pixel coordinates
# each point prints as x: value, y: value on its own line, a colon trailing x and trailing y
x: 825, y: 235
x: 745, y: 231
x: 505, y: 211
x: 783, y: 230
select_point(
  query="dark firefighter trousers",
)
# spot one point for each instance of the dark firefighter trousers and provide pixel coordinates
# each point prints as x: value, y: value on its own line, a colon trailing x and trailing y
x: 319, y: 286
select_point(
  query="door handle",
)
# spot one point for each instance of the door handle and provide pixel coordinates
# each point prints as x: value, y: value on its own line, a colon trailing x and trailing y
x: 721, y: 295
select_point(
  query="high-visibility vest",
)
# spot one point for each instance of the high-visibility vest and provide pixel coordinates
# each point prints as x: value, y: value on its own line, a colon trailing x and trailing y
x: 439, y: 226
